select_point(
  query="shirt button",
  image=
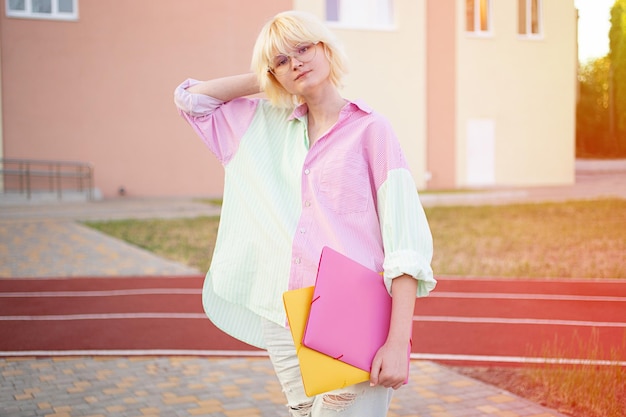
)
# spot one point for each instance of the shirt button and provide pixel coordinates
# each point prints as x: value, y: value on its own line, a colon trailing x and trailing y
x: 298, y: 260
x: 307, y: 171
x: 307, y: 203
x: 303, y: 231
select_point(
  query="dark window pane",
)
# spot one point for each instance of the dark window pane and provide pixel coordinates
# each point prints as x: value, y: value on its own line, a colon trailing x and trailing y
x: 17, y: 5
x: 535, y: 16
x: 484, y: 15
x: 521, y: 17
x: 42, y: 6
x: 469, y: 15
x: 66, y: 6
x: 332, y: 10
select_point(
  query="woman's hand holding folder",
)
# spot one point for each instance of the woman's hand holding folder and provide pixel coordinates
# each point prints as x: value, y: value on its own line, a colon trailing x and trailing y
x: 390, y: 366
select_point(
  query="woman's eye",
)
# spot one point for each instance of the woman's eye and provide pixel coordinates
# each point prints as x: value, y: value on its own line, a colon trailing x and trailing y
x: 282, y: 60
x: 303, y: 49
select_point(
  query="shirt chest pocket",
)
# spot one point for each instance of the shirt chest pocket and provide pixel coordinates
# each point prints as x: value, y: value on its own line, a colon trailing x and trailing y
x: 344, y: 184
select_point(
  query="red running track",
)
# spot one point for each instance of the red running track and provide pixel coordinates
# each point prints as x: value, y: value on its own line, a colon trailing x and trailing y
x: 463, y: 320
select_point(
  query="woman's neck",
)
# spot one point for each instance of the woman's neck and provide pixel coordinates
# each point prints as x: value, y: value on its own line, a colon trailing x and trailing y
x: 323, y: 111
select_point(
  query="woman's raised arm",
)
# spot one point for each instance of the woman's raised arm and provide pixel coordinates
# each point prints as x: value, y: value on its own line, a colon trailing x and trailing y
x: 228, y: 88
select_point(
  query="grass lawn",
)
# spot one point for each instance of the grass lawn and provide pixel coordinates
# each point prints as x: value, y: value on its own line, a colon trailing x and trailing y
x: 582, y: 239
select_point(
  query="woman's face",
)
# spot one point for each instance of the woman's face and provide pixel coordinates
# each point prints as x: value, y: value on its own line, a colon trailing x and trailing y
x: 302, y: 69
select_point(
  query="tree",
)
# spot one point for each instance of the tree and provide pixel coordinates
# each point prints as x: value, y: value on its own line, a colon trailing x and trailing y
x: 593, y: 137
x: 617, y: 78
x: 601, y: 109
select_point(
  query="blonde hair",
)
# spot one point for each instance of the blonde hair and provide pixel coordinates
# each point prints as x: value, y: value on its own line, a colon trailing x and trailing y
x: 279, y: 36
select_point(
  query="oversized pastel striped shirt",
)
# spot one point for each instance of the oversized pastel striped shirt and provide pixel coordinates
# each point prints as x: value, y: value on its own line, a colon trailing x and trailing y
x: 285, y: 200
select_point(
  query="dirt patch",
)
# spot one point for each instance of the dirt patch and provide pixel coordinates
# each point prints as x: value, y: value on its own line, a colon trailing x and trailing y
x: 514, y: 380
x: 519, y: 382
x: 555, y: 394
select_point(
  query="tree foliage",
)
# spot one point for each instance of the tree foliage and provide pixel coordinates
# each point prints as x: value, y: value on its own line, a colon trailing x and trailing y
x: 601, y: 109
x: 593, y: 137
x: 617, y: 56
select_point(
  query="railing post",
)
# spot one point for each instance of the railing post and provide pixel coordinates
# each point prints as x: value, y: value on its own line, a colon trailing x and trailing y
x: 28, y: 180
x: 50, y: 178
x: 90, y: 182
x: 20, y: 169
x: 58, y: 178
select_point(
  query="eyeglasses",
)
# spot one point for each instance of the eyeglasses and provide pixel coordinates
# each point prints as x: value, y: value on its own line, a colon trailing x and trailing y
x: 304, y: 52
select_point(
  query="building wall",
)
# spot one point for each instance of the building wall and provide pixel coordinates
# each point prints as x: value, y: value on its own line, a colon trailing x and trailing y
x: 388, y: 71
x: 524, y: 91
x: 100, y: 89
x: 441, y: 93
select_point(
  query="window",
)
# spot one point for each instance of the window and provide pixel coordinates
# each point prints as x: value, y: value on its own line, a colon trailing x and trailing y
x: 360, y: 13
x: 478, y: 16
x: 529, y: 17
x: 43, y: 9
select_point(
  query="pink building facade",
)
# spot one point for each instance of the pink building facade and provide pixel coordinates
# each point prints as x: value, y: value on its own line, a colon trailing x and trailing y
x: 92, y: 81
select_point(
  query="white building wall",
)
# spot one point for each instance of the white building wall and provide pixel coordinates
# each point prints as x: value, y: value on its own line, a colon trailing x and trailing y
x: 526, y: 88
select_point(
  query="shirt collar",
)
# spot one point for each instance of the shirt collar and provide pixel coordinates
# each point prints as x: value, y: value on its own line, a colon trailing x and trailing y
x: 351, y: 106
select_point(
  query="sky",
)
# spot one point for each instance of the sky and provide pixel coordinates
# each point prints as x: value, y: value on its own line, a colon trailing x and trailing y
x: 593, y: 28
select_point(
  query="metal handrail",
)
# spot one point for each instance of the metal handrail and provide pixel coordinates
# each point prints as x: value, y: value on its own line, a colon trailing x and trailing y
x: 23, y: 174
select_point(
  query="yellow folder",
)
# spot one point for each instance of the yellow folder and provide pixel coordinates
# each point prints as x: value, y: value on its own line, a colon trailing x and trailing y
x: 320, y: 373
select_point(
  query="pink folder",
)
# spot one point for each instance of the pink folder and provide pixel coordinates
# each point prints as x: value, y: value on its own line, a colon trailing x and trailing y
x: 320, y: 373
x: 350, y: 311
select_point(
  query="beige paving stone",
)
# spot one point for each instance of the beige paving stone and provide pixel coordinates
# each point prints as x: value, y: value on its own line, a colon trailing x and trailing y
x: 115, y: 408
x: 451, y: 398
x: 13, y: 372
x: 507, y: 413
x: 204, y: 410
x: 247, y: 412
x: 489, y: 409
x: 461, y: 383
x: 501, y: 398
x: 180, y: 400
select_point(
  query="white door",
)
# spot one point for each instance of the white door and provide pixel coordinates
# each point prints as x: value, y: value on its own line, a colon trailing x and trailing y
x: 480, y: 155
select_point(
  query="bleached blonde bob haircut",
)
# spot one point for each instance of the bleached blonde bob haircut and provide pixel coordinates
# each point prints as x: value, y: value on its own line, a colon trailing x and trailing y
x: 279, y: 36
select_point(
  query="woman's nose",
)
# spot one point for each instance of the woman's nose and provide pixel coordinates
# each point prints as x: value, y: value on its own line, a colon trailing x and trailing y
x: 294, y: 62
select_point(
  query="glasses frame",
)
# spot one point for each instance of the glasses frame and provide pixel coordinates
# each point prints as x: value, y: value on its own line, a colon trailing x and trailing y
x: 297, y: 55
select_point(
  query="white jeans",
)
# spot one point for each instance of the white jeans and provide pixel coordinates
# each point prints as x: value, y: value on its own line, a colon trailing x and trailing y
x: 358, y: 400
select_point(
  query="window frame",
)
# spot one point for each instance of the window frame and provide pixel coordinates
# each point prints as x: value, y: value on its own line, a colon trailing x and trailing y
x: 344, y: 24
x: 477, y: 20
x: 55, y: 14
x: 528, y: 21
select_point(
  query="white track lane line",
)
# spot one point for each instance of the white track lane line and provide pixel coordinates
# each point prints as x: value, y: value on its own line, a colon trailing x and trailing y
x: 513, y: 359
x: 109, y: 293
x: 259, y: 353
x: 498, y: 320
x: 134, y: 352
x: 107, y: 316
x: 194, y: 291
x: 514, y: 296
x: 192, y: 316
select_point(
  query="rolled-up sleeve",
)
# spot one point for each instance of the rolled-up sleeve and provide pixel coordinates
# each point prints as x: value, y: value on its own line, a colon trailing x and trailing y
x: 194, y: 105
x: 407, y: 238
x: 219, y: 124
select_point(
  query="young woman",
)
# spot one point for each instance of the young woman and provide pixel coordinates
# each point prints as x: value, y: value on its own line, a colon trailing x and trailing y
x: 306, y: 168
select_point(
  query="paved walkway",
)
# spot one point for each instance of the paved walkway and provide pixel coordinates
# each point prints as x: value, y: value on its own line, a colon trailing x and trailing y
x: 45, y: 239
x: 227, y: 387
x: 48, y: 239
